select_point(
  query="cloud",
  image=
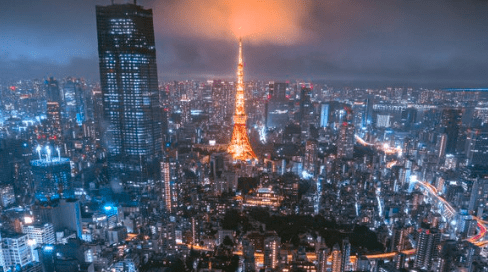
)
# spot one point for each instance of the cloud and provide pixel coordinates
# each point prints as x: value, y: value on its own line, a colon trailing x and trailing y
x: 269, y: 21
x: 22, y: 68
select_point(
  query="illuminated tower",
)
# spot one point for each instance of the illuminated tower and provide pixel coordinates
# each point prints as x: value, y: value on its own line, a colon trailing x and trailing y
x: 239, y: 146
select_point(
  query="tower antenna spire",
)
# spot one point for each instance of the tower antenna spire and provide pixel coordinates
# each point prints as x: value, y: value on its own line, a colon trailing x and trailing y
x: 239, y: 146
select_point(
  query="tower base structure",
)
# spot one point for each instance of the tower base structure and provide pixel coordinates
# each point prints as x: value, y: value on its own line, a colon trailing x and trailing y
x: 240, y: 147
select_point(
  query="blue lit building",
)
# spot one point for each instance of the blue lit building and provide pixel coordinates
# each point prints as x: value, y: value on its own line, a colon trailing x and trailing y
x: 50, y: 176
x: 324, y: 115
x: 74, y: 100
x: 128, y: 75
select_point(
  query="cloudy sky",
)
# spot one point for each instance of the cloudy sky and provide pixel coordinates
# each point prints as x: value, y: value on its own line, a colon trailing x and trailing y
x: 438, y: 43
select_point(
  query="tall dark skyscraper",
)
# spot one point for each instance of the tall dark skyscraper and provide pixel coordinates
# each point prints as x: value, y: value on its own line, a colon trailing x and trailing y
x: 128, y: 76
x: 451, y: 121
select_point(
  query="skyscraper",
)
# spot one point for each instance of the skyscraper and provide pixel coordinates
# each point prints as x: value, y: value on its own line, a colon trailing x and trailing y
x: 74, y: 100
x: 53, y: 114
x: 51, y: 174
x: 169, y: 180
x: 345, y: 141
x: 128, y: 76
x: 477, y: 146
x: 451, y: 121
x: 346, y: 253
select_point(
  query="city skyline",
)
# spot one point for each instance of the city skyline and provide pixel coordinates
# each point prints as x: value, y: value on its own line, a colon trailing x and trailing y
x: 429, y: 43
x: 268, y: 156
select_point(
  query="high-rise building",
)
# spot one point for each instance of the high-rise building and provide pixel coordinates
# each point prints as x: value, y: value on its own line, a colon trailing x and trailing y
x: 53, y: 93
x: 14, y: 251
x: 222, y: 98
x: 51, y: 175
x: 128, y: 76
x: 478, y: 197
x: 64, y: 214
x: 276, y: 106
x: 74, y: 100
x: 346, y: 253
x: 345, y: 141
x: 324, y: 115
x: 369, y: 109
x: 383, y: 120
x: 272, y: 245
x: 277, y: 91
x: 477, y: 146
x: 306, y: 108
x: 336, y: 258
x: 7, y: 195
x: 322, y: 256
x: 441, y: 145
x: 240, y: 147
x: 428, y: 241
x: 53, y: 114
x: 397, y: 238
x: 451, y: 121
x: 53, y: 118
x: 311, y: 157
x: 41, y: 233
x: 169, y: 180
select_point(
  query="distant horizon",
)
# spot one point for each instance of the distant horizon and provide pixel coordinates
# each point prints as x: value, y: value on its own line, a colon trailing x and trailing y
x: 330, y: 83
x: 388, y: 43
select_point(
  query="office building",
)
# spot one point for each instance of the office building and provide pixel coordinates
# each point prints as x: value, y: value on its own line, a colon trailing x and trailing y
x: 128, y: 75
x: 478, y: 197
x: 277, y: 91
x: 63, y: 214
x: 51, y: 175
x: 7, y: 195
x: 14, y: 250
x: 74, y: 100
x: 383, y: 120
x: 53, y: 119
x: 324, y: 115
x: 451, y: 122
x: 345, y: 141
x: 477, y: 146
x: 40, y: 233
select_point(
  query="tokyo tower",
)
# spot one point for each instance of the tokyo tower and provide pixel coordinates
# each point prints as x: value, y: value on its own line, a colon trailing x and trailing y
x: 240, y: 147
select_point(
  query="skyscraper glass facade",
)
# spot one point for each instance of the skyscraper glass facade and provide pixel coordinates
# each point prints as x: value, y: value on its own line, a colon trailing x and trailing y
x: 128, y: 75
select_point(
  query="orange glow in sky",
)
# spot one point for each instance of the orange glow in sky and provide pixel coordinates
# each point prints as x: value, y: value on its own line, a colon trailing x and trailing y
x: 254, y: 20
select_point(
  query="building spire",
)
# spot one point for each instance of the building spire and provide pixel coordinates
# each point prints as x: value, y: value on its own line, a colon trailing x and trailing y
x: 240, y: 147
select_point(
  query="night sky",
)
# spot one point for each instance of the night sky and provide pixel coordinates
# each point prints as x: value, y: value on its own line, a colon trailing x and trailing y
x: 359, y: 42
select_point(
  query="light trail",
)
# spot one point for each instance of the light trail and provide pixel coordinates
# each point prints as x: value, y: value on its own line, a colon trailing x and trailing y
x: 481, y: 224
x: 391, y: 164
x: 385, y: 147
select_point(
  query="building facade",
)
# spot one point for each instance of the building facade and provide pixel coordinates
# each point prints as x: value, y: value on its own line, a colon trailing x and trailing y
x: 128, y: 75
